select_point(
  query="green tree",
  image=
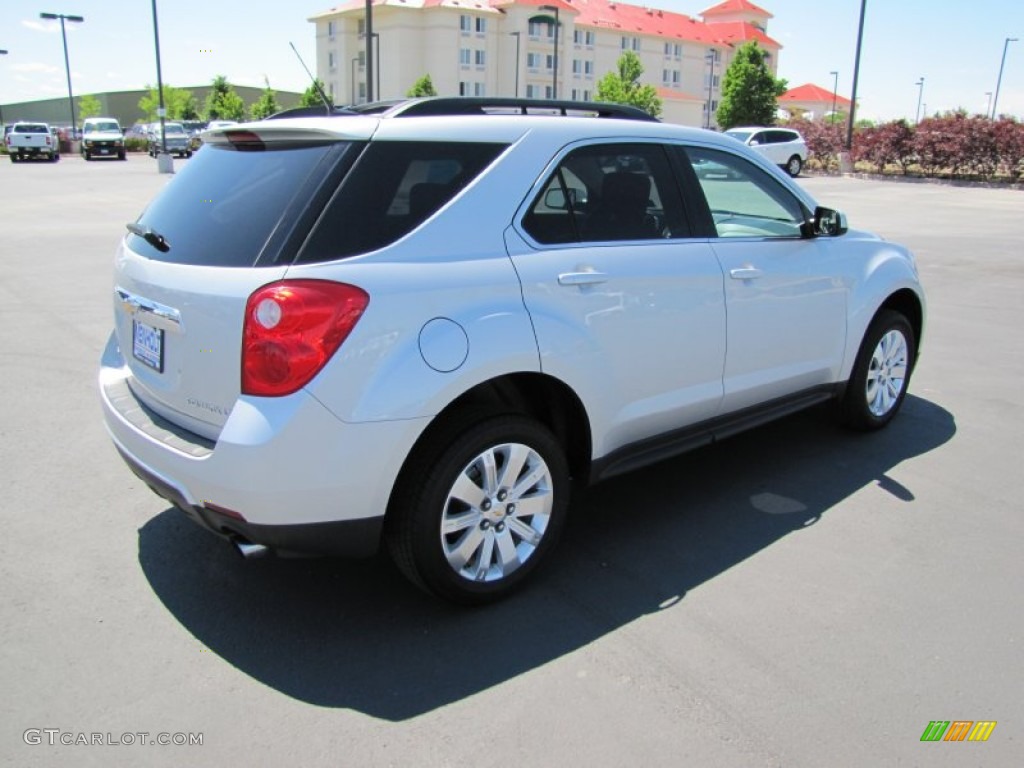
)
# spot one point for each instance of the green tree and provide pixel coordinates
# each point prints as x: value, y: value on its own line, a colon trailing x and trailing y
x: 89, y: 106
x: 422, y: 87
x: 623, y: 86
x: 222, y: 103
x: 180, y: 103
x: 749, y: 90
x: 311, y: 98
x: 266, y: 105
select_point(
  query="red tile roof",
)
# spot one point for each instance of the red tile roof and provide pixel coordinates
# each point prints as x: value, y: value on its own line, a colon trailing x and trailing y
x: 740, y: 32
x: 811, y: 92
x: 734, y: 6
x: 635, y: 19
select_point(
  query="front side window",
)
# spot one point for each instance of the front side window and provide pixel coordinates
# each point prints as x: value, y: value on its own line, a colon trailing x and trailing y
x: 743, y: 200
x: 609, y: 192
x: 392, y: 188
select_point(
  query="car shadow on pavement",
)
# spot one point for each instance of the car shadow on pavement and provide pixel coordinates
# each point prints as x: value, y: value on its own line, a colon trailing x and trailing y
x: 354, y: 634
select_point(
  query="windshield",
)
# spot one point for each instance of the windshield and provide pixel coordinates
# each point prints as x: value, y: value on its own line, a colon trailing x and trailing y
x: 173, y: 128
x: 106, y: 125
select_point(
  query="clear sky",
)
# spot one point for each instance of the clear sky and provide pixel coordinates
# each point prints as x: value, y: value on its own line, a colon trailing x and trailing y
x: 955, y: 46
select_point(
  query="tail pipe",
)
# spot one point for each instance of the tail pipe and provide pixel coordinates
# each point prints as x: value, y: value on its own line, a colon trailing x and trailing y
x: 247, y: 549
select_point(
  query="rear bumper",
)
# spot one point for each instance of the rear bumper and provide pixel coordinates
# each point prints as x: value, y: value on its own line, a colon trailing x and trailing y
x: 284, y: 472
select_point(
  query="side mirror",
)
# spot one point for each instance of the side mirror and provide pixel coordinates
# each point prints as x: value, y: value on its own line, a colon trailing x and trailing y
x: 829, y: 222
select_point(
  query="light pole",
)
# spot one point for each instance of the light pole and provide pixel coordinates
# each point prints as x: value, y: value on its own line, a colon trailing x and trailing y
x: 370, y: 70
x: 709, y: 57
x: 516, y: 36
x: 835, y: 87
x: 67, y: 64
x: 369, y: 50
x: 845, y: 161
x: 920, y: 93
x: 164, y: 163
x: 2, y: 53
x: 999, y: 81
x: 554, y: 77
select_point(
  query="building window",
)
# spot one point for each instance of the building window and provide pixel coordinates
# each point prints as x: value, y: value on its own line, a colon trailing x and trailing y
x: 588, y: 69
x: 362, y: 91
x: 463, y: 88
x: 591, y: 36
x: 677, y: 51
x: 533, y: 30
x: 636, y: 43
x: 586, y: 95
x: 361, y: 27
x: 548, y: 92
x: 465, y: 57
x: 331, y: 29
x: 577, y: 67
x: 625, y: 44
x: 533, y: 91
x: 479, y: 89
x: 666, y: 77
x: 480, y: 58
x: 465, y: 24
x: 550, y: 60
x: 481, y: 25
x: 577, y: 37
x: 330, y: 60
x: 676, y: 78
x: 533, y: 61
x: 362, y: 59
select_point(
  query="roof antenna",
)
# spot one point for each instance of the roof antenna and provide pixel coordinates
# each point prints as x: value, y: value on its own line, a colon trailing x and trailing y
x: 323, y: 97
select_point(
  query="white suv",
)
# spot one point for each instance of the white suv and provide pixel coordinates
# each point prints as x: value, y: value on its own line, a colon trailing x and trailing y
x: 782, y: 146
x: 425, y: 324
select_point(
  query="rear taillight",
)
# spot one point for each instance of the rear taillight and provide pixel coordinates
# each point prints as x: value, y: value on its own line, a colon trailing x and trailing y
x: 291, y: 330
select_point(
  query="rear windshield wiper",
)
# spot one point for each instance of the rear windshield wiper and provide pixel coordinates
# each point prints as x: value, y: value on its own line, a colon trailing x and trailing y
x: 155, y: 239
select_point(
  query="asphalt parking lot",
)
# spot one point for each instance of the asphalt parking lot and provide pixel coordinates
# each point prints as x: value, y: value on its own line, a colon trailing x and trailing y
x: 796, y: 596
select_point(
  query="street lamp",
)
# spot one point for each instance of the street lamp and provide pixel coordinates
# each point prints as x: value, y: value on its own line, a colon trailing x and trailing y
x: 920, y: 93
x: 999, y: 81
x: 554, y: 78
x: 516, y: 36
x: 835, y: 87
x: 2, y: 53
x: 709, y: 57
x: 67, y: 65
x: 164, y: 163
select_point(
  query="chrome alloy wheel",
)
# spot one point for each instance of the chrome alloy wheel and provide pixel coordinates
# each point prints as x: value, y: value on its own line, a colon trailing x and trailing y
x: 497, y: 512
x: 887, y: 373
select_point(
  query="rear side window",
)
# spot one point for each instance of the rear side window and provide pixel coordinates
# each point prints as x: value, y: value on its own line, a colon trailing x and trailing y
x: 392, y: 188
x: 220, y: 210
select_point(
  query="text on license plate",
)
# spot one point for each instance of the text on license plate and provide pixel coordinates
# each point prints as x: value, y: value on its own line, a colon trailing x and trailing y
x: 148, y: 345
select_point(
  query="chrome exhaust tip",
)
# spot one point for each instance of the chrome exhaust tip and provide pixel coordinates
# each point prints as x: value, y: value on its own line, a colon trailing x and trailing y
x: 248, y: 550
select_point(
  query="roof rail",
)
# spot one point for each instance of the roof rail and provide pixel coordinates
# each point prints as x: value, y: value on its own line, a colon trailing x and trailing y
x: 473, y: 105
x: 499, y: 105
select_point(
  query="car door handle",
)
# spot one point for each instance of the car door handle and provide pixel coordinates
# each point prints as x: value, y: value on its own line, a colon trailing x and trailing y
x: 582, y: 278
x: 745, y: 273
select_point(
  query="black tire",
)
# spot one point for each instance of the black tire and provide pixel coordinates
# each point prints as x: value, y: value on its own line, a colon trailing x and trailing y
x: 54, y: 158
x: 881, y: 373
x: 188, y: 155
x: 794, y: 165
x: 121, y: 156
x: 14, y: 157
x: 423, y: 499
x: 86, y: 156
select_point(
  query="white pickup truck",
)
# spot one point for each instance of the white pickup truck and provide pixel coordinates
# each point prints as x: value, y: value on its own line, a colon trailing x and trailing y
x: 32, y: 140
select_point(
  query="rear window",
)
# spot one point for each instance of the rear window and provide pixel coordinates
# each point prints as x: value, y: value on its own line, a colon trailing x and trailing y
x: 31, y: 128
x: 223, y: 206
x: 105, y: 125
x: 392, y: 188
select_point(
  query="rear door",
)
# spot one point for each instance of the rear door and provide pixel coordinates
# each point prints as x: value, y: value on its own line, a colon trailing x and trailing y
x: 626, y: 307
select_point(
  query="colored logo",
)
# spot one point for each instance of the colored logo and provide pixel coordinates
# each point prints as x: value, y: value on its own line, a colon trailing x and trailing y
x: 958, y: 730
